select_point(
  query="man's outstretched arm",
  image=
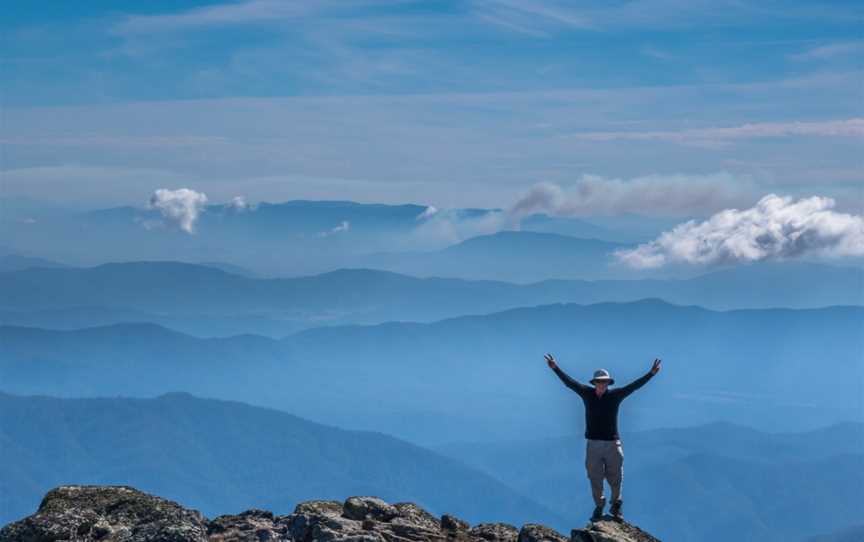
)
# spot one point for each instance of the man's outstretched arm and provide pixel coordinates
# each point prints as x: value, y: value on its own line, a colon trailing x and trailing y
x: 571, y: 383
x: 624, y: 391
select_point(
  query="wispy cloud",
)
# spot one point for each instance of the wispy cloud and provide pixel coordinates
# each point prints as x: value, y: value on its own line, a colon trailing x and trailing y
x: 240, y: 13
x: 776, y: 228
x: 830, y: 50
x: 341, y: 227
x: 719, y: 135
x: 656, y: 53
x: 449, y: 226
x: 535, y: 18
x: 544, y: 17
x: 428, y: 212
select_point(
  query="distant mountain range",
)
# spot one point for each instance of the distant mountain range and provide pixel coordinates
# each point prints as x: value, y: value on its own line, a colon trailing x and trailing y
x: 747, y: 366
x: 215, y: 302
x: 223, y: 457
x: 17, y: 262
x: 463, y: 376
x: 308, y: 237
x: 518, y: 256
x: 290, y: 238
x: 701, y: 483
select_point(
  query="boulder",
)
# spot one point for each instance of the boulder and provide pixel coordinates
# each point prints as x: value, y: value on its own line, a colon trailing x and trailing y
x: 107, y: 514
x: 124, y: 514
x: 252, y: 525
x: 532, y: 532
x: 610, y: 530
x: 498, y: 532
x: 373, y: 508
x: 453, y: 524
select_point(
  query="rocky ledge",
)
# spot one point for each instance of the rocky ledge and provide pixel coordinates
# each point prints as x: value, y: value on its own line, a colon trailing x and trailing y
x: 124, y: 514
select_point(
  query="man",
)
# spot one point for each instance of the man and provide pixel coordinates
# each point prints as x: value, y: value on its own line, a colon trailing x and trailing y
x: 604, y: 456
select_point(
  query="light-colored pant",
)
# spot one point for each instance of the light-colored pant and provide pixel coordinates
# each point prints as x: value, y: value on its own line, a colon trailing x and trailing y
x: 604, y: 459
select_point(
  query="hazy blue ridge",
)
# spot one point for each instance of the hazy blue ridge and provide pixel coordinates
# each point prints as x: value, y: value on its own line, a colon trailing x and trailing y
x: 480, y: 375
x: 218, y: 303
x: 226, y: 457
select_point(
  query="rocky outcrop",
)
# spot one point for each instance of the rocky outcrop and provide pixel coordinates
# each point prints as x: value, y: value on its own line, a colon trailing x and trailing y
x: 124, y: 514
x: 609, y: 530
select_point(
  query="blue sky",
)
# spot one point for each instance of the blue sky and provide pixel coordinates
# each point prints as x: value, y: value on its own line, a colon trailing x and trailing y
x: 446, y: 103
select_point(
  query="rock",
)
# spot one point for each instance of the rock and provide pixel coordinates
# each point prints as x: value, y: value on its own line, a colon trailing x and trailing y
x: 498, y: 532
x: 107, y: 514
x: 410, y: 513
x: 252, y: 525
x: 533, y: 532
x: 610, y: 530
x: 361, y: 508
x: 124, y: 514
x: 325, y: 521
x: 452, y: 523
x: 325, y: 508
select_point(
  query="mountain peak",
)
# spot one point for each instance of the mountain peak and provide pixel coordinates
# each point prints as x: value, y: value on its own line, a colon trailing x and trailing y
x: 113, y: 513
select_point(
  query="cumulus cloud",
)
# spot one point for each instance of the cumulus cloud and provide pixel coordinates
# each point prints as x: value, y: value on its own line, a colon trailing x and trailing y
x: 656, y: 195
x: 342, y: 227
x: 776, y: 228
x: 180, y: 207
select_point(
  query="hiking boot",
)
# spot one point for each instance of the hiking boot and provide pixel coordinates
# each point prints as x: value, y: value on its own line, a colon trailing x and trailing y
x: 597, y: 515
x: 615, y: 509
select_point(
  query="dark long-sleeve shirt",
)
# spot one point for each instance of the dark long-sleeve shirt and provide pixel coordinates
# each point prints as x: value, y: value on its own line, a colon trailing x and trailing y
x: 601, y: 413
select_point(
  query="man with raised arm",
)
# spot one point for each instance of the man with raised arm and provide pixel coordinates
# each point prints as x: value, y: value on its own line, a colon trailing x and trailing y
x: 604, y: 457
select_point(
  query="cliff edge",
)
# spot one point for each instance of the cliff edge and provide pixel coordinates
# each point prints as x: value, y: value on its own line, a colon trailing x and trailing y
x: 124, y: 514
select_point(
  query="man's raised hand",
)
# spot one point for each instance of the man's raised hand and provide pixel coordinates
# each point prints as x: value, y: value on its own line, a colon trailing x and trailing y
x: 656, y: 367
x: 550, y: 360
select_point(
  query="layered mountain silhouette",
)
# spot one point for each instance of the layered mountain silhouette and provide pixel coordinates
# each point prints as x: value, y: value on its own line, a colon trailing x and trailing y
x: 519, y: 256
x: 444, y: 380
x: 215, y: 302
x: 245, y: 233
x: 221, y: 457
x: 18, y: 262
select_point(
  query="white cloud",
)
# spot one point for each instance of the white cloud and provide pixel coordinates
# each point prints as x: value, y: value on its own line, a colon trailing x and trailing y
x: 657, y: 195
x: 717, y: 136
x: 250, y: 12
x: 342, y: 227
x: 830, y: 50
x: 542, y: 17
x: 776, y: 228
x: 181, y: 207
x: 428, y: 212
x: 239, y: 204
